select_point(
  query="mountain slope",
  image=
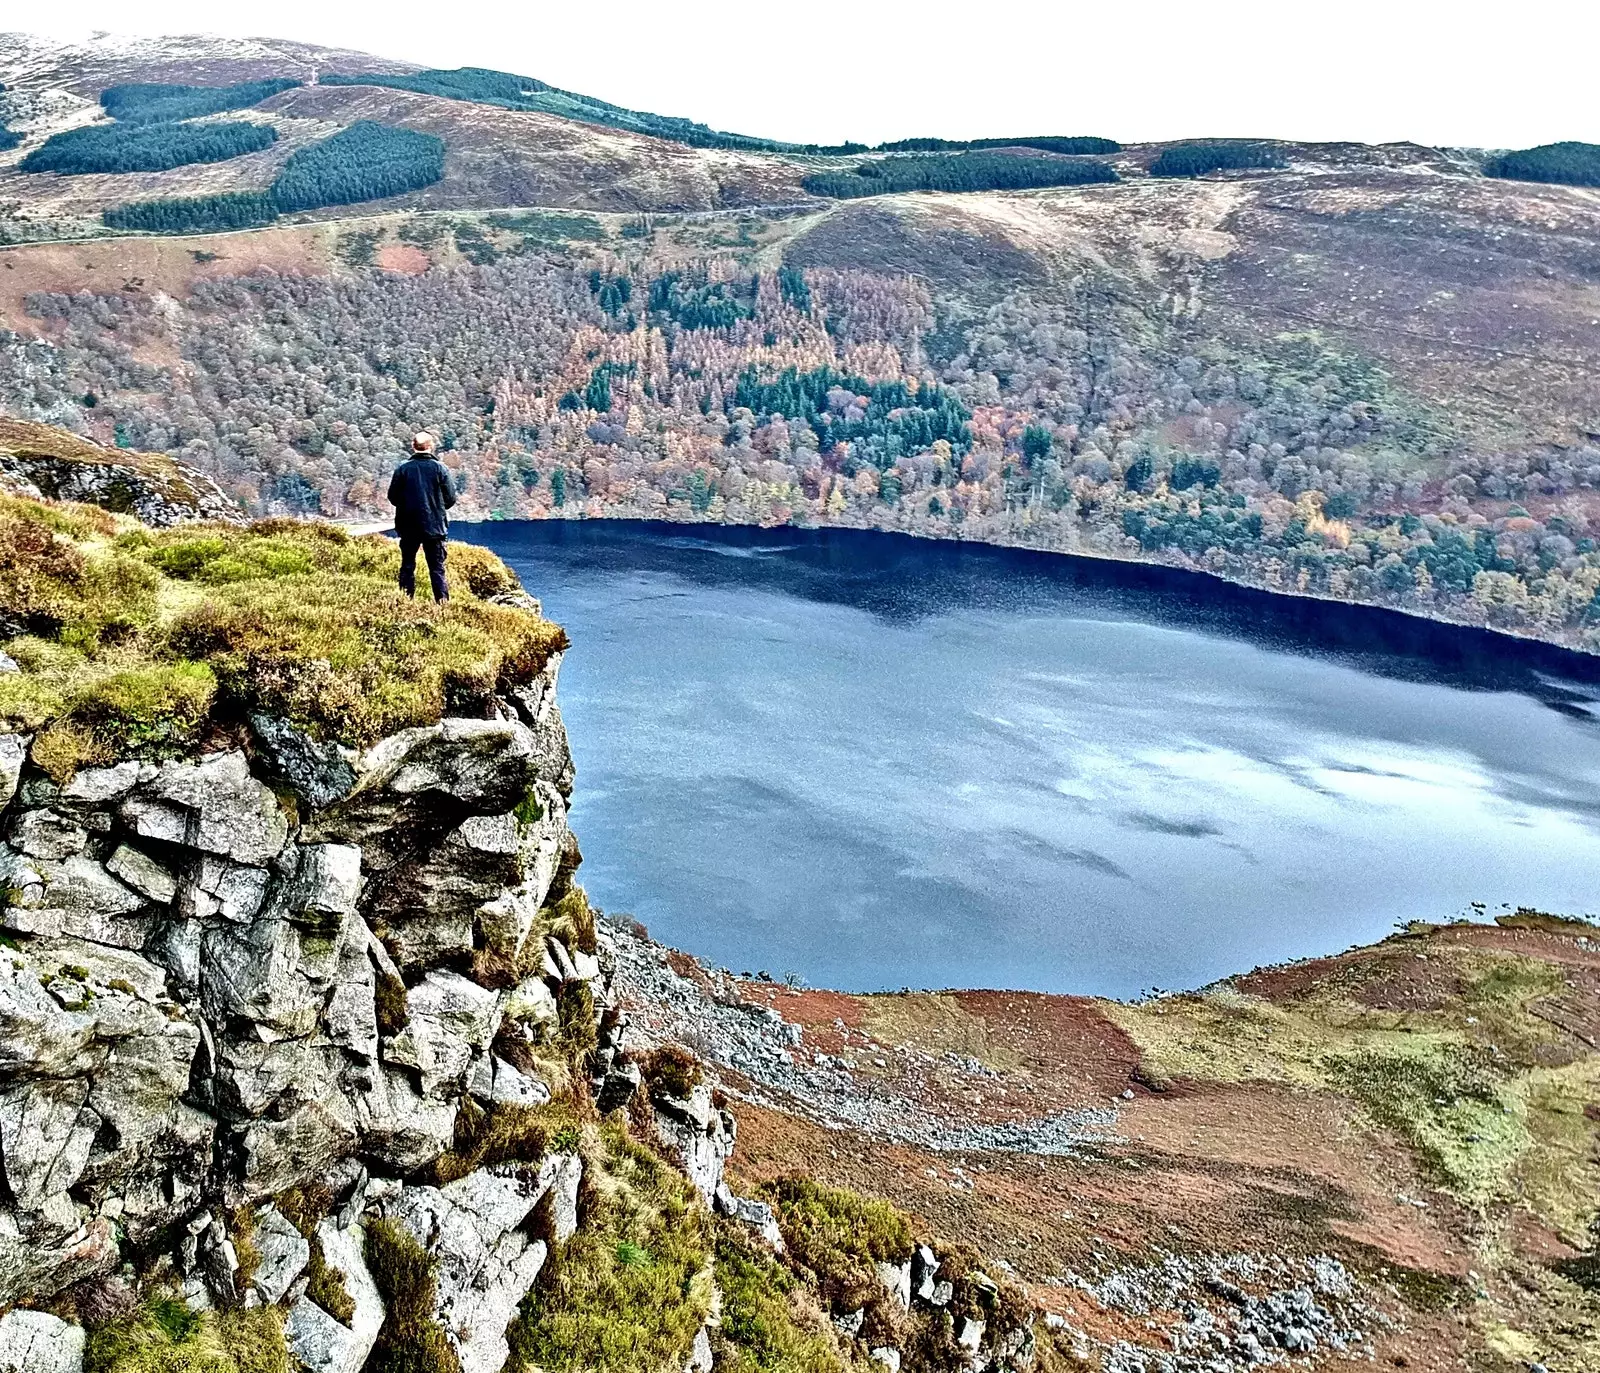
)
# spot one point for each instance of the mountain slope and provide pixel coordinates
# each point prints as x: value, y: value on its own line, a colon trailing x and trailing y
x: 1361, y: 372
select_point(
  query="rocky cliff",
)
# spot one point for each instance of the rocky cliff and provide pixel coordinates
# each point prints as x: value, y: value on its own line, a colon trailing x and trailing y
x: 218, y: 991
x: 309, y: 1049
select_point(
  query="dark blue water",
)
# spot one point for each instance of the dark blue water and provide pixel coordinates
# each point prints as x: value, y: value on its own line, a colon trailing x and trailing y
x: 873, y: 761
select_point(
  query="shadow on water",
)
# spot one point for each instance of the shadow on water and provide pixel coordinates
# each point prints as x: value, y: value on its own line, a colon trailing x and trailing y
x: 902, y: 579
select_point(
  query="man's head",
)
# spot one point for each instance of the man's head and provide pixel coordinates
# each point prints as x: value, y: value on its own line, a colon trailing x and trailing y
x: 423, y: 444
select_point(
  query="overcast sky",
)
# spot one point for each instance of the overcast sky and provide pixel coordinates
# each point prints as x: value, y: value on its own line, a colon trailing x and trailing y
x: 1465, y: 73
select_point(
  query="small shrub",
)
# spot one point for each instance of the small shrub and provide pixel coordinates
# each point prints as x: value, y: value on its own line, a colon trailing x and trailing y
x: 671, y: 1071
x: 411, y: 1340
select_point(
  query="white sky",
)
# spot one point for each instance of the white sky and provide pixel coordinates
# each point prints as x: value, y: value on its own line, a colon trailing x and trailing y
x: 1467, y: 73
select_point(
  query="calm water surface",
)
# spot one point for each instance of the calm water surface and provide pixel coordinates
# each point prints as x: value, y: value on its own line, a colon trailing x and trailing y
x: 878, y: 762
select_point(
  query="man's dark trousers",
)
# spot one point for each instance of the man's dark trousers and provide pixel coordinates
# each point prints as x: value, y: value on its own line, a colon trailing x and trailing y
x: 434, y: 551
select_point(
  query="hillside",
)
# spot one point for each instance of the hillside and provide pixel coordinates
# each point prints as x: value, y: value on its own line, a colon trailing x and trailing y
x: 1342, y: 370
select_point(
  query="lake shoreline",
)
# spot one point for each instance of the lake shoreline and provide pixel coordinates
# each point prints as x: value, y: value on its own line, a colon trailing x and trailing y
x: 1405, y: 626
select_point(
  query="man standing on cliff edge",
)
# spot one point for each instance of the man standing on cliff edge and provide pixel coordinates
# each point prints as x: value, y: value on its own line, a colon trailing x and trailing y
x: 421, y: 492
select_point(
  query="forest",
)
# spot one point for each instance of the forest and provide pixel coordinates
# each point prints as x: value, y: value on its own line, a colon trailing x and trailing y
x: 697, y: 390
x: 156, y: 147
x: 142, y: 102
x: 1064, y: 146
x: 194, y: 214
x: 484, y: 86
x: 1210, y: 155
x: 964, y: 172
x: 366, y: 161
x: 1569, y: 164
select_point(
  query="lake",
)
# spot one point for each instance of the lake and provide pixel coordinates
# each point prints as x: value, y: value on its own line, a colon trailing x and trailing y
x: 870, y: 761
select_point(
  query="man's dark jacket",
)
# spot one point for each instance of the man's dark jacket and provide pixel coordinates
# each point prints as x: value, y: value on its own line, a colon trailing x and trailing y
x: 421, y: 492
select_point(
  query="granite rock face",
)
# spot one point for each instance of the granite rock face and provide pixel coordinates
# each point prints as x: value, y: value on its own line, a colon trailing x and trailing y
x: 234, y: 974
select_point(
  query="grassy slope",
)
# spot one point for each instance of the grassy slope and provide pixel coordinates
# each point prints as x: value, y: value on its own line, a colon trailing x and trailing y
x: 151, y: 642
x: 1427, y: 1110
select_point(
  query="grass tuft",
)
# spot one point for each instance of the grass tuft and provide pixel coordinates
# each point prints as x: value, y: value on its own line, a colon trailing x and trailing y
x: 164, y: 1336
x: 411, y: 1340
x: 304, y: 1207
x: 504, y: 1134
x: 770, y: 1321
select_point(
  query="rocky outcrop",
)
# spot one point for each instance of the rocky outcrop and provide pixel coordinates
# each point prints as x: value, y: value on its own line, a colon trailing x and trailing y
x: 39, y: 460
x: 698, y: 1134
x: 37, y: 1342
x: 283, y: 965
x: 476, y: 1229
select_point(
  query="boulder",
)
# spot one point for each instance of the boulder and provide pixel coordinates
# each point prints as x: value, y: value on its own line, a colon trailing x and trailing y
x: 48, y: 834
x: 214, y: 805
x: 46, y: 1131
x: 699, y: 1136
x: 39, y: 1257
x: 13, y: 753
x: 37, y: 1342
x: 321, y: 1343
x: 561, y: 1175
x: 700, y: 1356
x: 415, y: 786
x: 617, y: 1086
x: 757, y: 1215
x: 284, y: 1254
x: 889, y: 1358
x: 318, y: 773
x: 142, y: 873
x: 896, y: 1279
x: 401, y: 1129
x: 98, y: 786
x: 970, y: 1336
x: 450, y: 1020
x: 512, y: 1087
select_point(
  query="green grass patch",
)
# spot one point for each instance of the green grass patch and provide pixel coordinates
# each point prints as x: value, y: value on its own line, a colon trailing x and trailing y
x: 634, y: 1285
x: 770, y: 1321
x: 137, y: 642
x: 164, y: 1336
x: 838, y: 1236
